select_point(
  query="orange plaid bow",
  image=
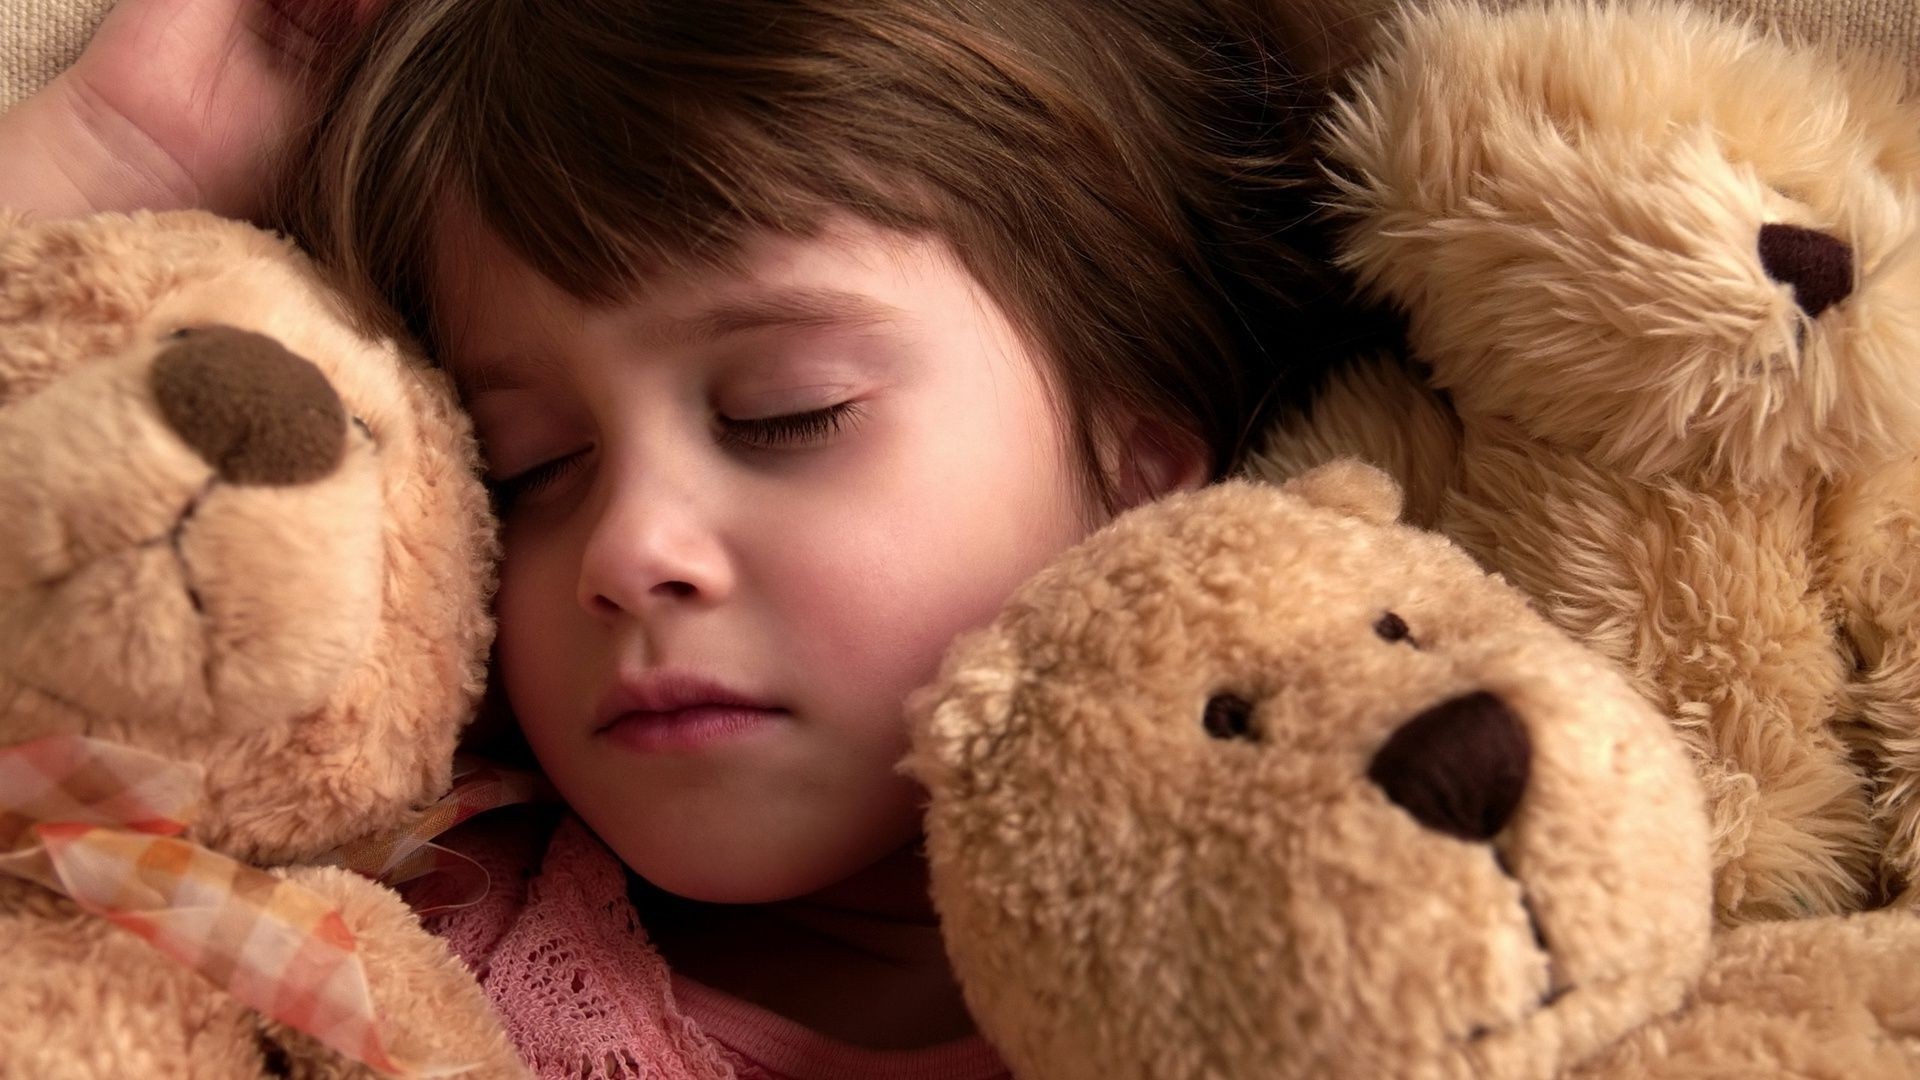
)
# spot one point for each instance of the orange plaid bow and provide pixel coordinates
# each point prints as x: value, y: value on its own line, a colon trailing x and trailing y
x: 100, y: 823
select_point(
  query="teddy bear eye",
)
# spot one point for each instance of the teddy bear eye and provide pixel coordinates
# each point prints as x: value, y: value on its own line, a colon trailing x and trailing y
x: 1392, y: 627
x: 1228, y: 717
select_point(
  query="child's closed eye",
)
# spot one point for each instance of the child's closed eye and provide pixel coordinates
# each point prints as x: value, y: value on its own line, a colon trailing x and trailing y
x: 508, y: 490
x: 762, y: 433
x: 792, y: 429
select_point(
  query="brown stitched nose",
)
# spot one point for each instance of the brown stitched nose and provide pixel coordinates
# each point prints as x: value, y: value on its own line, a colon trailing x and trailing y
x: 256, y: 412
x: 1818, y: 266
x: 1459, y: 767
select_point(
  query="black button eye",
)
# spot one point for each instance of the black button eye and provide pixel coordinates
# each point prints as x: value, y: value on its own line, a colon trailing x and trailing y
x: 1229, y: 717
x: 1392, y: 627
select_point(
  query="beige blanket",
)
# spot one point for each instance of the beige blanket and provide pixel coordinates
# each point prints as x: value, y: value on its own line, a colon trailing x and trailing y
x: 1892, y: 26
x: 39, y: 37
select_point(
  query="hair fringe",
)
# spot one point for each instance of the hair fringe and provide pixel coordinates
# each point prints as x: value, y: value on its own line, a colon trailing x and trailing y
x: 1132, y: 180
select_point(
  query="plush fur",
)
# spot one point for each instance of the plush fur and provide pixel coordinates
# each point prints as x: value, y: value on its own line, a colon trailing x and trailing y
x: 1256, y: 783
x: 215, y: 552
x: 1662, y: 280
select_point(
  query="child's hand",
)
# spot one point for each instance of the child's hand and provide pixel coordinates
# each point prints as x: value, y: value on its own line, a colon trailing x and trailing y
x: 173, y: 103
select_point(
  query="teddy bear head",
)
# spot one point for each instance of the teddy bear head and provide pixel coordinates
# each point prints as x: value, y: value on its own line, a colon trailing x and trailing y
x: 1257, y: 782
x: 1666, y: 242
x: 236, y: 530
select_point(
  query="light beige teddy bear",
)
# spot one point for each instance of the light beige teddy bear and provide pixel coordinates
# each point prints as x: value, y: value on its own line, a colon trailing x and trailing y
x: 1662, y: 282
x: 1256, y: 783
x: 244, y: 568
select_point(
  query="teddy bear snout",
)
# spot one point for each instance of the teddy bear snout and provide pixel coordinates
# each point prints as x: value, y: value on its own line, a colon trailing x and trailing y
x: 252, y: 409
x: 1818, y: 266
x: 1459, y: 767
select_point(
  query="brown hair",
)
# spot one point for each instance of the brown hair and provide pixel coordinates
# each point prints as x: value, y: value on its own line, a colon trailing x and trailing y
x: 1127, y: 178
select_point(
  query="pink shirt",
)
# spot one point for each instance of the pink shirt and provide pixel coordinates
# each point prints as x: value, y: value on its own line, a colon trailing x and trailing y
x: 585, y: 996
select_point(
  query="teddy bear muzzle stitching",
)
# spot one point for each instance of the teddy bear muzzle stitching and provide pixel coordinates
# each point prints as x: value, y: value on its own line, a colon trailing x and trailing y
x: 216, y: 436
x: 1460, y: 768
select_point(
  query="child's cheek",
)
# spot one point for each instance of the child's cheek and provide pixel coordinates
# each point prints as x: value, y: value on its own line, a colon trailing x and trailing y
x: 876, y: 599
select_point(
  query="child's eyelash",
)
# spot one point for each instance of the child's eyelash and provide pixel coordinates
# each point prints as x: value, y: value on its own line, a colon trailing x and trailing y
x: 518, y: 486
x: 763, y: 433
x: 786, y: 430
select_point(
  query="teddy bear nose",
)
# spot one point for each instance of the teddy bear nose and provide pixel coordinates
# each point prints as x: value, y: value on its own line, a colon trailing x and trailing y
x: 1818, y: 266
x: 256, y: 412
x: 1459, y: 767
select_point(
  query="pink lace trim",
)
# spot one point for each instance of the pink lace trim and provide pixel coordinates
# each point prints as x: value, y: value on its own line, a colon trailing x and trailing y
x: 585, y: 996
x: 767, y: 1046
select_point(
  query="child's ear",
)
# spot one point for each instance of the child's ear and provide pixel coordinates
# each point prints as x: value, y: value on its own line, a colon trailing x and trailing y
x: 1152, y: 458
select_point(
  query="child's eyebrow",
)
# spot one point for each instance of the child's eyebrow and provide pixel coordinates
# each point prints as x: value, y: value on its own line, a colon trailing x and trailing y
x: 787, y: 307
x: 791, y: 307
x: 509, y: 371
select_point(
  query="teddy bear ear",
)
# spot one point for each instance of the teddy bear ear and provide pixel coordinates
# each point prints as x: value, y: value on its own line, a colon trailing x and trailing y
x: 1349, y: 486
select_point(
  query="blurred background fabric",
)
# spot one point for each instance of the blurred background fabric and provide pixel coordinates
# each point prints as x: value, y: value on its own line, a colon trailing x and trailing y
x: 38, y: 38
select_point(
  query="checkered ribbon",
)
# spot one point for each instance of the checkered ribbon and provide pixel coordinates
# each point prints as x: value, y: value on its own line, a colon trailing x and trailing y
x: 409, y: 853
x: 100, y: 823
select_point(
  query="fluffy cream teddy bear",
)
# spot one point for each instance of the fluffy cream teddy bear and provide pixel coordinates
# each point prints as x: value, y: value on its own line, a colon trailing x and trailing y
x: 1256, y: 783
x: 1662, y: 281
x: 244, y: 568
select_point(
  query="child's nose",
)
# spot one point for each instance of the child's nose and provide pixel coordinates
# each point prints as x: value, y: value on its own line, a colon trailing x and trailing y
x: 648, y: 553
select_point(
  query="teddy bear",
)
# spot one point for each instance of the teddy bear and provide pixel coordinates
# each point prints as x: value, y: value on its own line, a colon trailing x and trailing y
x: 1661, y: 281
x: 245, y: 565
x: 1259, y: 782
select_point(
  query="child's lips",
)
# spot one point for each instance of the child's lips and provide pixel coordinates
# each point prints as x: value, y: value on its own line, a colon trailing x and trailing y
x: 677, y: 710
x: 666, y: 691
x: 690, y: 728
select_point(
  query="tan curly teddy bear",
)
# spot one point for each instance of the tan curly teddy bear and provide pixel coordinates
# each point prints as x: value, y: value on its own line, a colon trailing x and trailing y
x: 1255, y: 783
x: 1662, y: 282
x: 244, y: 567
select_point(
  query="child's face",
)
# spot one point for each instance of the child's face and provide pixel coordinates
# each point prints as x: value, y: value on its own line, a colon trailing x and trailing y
x: 796, y: 482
